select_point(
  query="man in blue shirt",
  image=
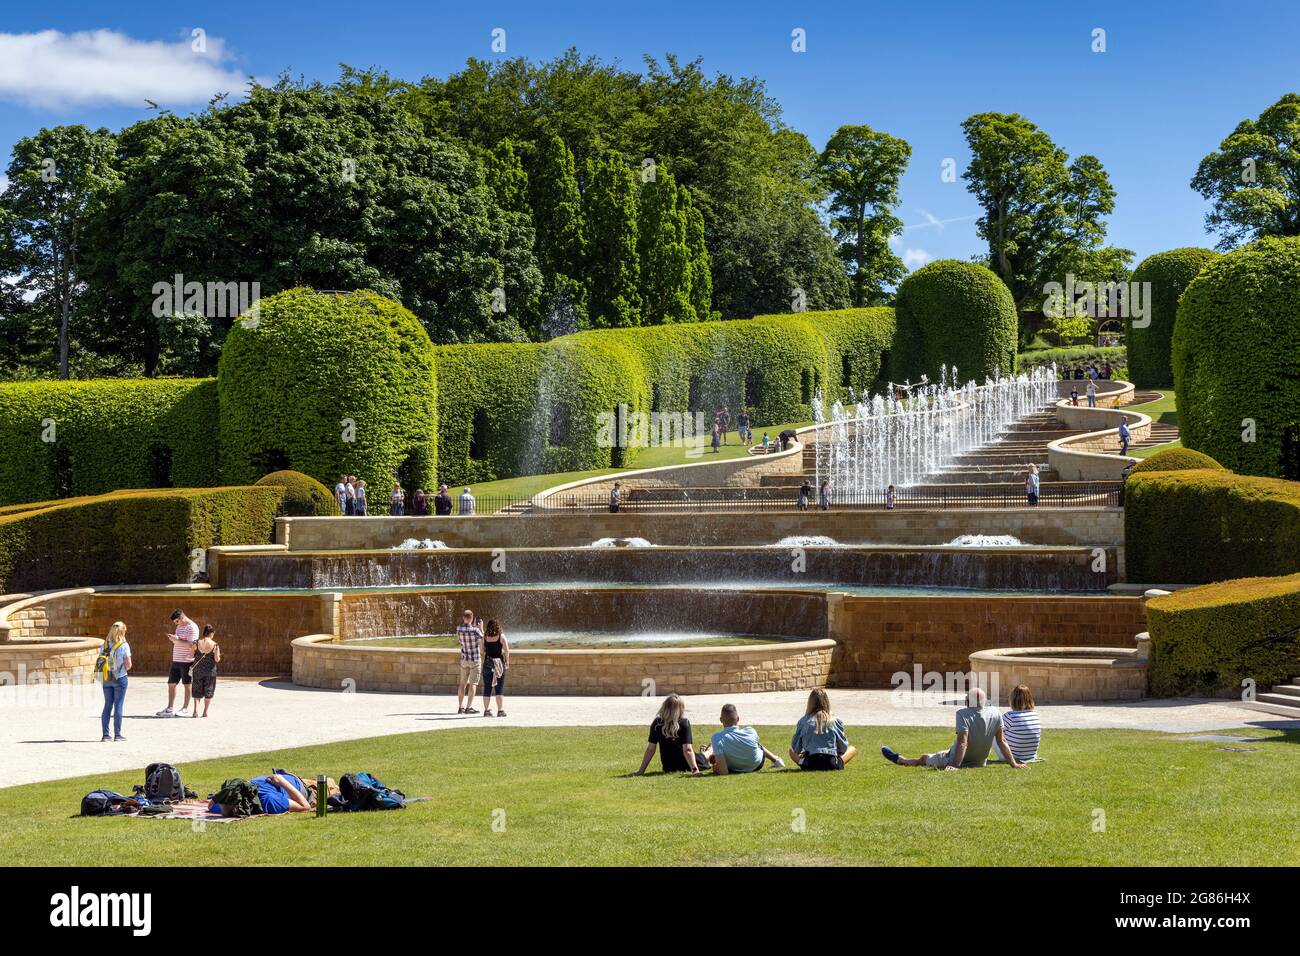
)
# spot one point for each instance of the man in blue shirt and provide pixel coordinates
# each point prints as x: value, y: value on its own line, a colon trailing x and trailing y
x: 736, y: 749
x: 1124, y: 436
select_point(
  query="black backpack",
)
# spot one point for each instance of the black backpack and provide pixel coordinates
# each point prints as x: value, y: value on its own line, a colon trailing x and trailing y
x: 238, y: 798
x: 102, y: 803
x: 162, y: 781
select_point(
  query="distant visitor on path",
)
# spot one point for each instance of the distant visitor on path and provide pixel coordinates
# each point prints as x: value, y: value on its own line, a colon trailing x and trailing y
x: 615, y: 498
x: 466, y: 502
x: 742, y: 425
x: 419, y: 503
x: 1074, y: 395
x: 470, y: 635
x: 724, y: 421
x: 183, y: 641
x: 805, y: 495
x: 1092, y: 394
x: 890, y: 496
x: 787, y: 437
x: 496, y: 661
x: 111, y: 669
x: 1031, y: 485
x: 1021, y: 727
x: 397, y: 500
x: 824, y: 495
x: 362, y: 505
x: 204, y: 670
x: 350, y: 499
x: 819, y: 742
x: 442, y: 501
x: 736, y: 749
x: 670, y: 734
x: 341, y: 494
x: 1124, y: 435
x: 978, y: 727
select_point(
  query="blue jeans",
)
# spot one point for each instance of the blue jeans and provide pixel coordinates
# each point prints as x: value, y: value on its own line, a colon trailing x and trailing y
x: 114, y: 699
x: 1092, y: 401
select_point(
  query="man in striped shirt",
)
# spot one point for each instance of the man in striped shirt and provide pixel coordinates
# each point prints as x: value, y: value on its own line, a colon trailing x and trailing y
x: 183, y: 641
x: 470, y: 635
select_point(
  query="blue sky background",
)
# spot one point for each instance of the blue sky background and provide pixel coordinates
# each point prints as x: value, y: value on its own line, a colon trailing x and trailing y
x: 1175, y: 79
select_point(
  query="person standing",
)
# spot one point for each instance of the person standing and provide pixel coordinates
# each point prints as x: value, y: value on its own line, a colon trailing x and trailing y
x: 351, y: 489
x: 615, y: 498
x: 1124, y: 435
x: 890, y: 496
x: 825, y: 494
x: 496, y: 659
x: 419, y: 503
x: 341, y: 494
x: 1031, y: 485
x: 115, y: 656
x: 397, y: 500
x: 470, y: 635
x: 466, y: 502
x: 724, y: 419
x: 1092, y: 394
x: 805, y: 495
x: 717, y: 434
x: 204, y: 670
x: 183, y: 641
x: 742, y: 423
x: 363, y: 505
x: 442, y: 501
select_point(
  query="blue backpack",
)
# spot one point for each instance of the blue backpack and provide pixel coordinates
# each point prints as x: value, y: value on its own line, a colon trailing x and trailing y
x: 362, y: 791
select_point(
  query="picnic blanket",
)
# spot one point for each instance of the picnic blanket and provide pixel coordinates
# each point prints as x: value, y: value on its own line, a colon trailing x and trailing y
x: 185, y: 810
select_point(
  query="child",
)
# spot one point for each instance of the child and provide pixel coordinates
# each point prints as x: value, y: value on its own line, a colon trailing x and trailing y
x: 204, y: 669
x: 889, y: 498
x: 1074, y: 395
x: 765, y: 441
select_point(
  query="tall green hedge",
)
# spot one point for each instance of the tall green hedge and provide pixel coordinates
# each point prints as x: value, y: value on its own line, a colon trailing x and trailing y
x: 85, y: 438
x: 1236, y: 357
x: 954, y: 313
x: 1203, y: 525
x: 325, y: 383
x: 129, y: 537
x: 1215, y: 637
x: 1149, y: 361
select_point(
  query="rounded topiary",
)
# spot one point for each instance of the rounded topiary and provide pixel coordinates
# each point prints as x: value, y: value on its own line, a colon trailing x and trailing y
x: 1148, y: 343
x: 304, y: 496
x: 325, y: 383
x: 954, y: 313
x: 1236, y: 359
x: 1176, y: 459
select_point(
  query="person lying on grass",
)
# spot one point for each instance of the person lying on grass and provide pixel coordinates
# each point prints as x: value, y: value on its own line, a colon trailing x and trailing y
x: 819, y: 742
x: 281, y: 793
x: 670, y: 734
x: 736, y: 749
x: 978, y: 726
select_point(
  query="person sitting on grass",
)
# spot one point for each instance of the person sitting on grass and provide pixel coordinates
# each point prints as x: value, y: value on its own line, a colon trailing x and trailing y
x: 1021, y: 727
x: 819, y: 742
x: 736, y: 749
x: 670, y: 734
x: 978, y: 726
x: 281, y: 793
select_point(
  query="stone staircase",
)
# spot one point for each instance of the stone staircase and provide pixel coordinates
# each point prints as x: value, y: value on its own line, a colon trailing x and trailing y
x: 1281, y: 701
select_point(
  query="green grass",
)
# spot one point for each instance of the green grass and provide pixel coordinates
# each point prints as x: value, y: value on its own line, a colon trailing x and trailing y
x: 1164, y: 409
x: 564, y: 800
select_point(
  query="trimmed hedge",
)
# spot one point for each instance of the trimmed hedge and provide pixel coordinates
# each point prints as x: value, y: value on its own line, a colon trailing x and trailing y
x: 1203, y: 525
x: 1149, y: 346
x: 129, y: 537
x: 955, y: 313
x: 1236, y: 357
x: 1214, y: 637
x: 1084, y: 355
x: 314, y: 362
x: 1176, y: 459
x: 107, y: 435
x: 304, y: 496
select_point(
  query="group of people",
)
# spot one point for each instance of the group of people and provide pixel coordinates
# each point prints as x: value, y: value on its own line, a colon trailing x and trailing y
x: 722, y: 425
x: 1091, y: 391
x: 823, y: 495
x: 485, y: 654
x: 820, y: 743
x: 350, y: 495
x: 195, y: 655
x: 1092, y: 371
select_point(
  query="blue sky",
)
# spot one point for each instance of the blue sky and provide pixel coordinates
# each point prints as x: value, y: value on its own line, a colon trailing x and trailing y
x: 1175, y: 78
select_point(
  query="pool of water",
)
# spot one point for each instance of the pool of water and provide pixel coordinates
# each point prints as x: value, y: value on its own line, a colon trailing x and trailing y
x: 585, y: 640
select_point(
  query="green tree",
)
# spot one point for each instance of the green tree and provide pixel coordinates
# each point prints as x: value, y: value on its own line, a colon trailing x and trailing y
x: 665, y: 258
x: 862, y: 169
x: 697, y: 251
x: 55, y: 179
x: 1253, y: 179
x: 613, y: 261
x: 561, y: 234
x: 1040, y: 210
x: 506, y: 178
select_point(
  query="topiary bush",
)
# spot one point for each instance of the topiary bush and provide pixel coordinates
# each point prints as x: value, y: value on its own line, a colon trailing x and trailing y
x: 1175, y: 459
x: 325, y: 383
x: 304, y: 496
x: 954, y: 313
x: 1215, y: 637
x: 59, y: 439
x: 130, y: 537
x: 1149, y: 345
x: 1204, y: 525
x: 1236, y: 359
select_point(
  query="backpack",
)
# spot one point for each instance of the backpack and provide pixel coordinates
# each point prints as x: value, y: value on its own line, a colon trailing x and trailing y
x: 104, y: 803
x: 162, y: 781
x: 361, y: 791
x: 238, y: 798
x: 106, y: 663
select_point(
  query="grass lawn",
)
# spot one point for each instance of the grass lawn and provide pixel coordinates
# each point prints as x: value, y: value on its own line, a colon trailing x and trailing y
x: 1164, y: 410
x: 565, y: 801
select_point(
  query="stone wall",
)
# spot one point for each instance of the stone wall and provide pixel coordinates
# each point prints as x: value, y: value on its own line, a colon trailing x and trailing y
x: 1065, y: 680
x: 49, y: 662
x: 796, y: 665
x: 1103, y: 527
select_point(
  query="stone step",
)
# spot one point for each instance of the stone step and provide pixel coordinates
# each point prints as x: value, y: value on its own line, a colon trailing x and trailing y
x: 1288, y: 695
x: 1277, y: 710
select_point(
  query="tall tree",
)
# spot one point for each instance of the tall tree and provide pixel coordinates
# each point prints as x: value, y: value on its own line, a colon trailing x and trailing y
x: 55, y: 178
x: 613, y: 262
x: 505, y: 176
x: 561, y: 234
x: 1040, y: 210
x: 697, y: 253
x: 1253, y: 179
x: 665, y: 259
x: 862, y: 168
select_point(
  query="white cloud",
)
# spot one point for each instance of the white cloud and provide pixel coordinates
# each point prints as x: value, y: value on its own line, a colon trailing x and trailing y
x: 914, y: 258
x: 934, y: 222
x: 54, y: 69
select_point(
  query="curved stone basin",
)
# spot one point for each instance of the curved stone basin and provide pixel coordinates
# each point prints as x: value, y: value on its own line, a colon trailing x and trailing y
x: 1062, y: 675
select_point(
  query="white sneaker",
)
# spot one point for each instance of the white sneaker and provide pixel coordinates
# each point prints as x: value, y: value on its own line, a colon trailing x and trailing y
x: 778, y: 763
x: 183, y: 712
x: 165, y: 712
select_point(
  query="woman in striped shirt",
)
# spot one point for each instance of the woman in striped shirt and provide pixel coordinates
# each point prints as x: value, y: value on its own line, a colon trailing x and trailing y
x: 1021, y: 727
